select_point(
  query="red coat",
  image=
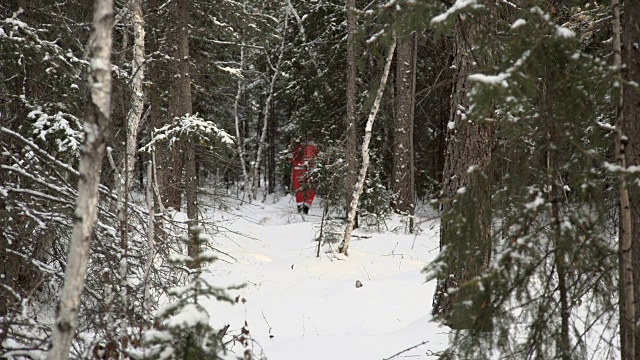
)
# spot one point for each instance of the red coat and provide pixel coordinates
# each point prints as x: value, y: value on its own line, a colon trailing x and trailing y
x: 303, y: 156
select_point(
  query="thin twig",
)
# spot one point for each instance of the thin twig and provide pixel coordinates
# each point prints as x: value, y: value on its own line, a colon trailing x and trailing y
x: 405, y: 350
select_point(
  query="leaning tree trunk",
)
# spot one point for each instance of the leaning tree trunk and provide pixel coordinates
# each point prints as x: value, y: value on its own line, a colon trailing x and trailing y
x: 350, y: 121
x: 96, y: 124
x: 468, y: 144
x: 403, y: 184
x: 627, y: 127
x: 368, y: 131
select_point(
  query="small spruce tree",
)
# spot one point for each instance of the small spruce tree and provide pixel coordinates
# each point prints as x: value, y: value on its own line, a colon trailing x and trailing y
x: 183, y: 330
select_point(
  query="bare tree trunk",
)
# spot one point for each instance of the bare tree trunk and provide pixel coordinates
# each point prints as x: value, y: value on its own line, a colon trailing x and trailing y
x: 157, y: 115
x: 350, y: 121
x: 403, y: 183
x: 357, y: 191
x: 96, y: 125
x: 271, y: 156
x: 132, y: 129
x: 151, y: 250
x: 630, y: 58
x: 239, y: 137
x: 627, y: 294
x: 137, y: 96
x: 267, y: 112
x: 191, y: 176
x: 564, y: 346
x: 172, y: 163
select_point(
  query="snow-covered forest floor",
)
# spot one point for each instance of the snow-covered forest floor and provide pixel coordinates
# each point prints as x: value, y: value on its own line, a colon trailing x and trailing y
x: 299, y: 306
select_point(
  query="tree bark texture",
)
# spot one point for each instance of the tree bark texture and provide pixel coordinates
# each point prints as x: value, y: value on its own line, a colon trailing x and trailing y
x: 271, y: 155
x: 368, y: 132
x: 239, y: 135
x: 137, y: 96
x: 96, y: 124
x: 626, y: 53
x: 403, y: 183
x: 469, y: 144
x: 172, y: 162
x: 351, y: 119
x: 186, y: 108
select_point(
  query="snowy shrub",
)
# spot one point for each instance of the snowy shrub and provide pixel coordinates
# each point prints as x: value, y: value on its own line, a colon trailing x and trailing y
x: 374, y: 201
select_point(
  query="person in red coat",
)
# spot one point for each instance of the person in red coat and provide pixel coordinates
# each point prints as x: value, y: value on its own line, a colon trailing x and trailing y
x: 303, y: 156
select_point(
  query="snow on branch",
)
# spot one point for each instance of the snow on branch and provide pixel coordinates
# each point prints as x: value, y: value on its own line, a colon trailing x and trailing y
x: 560, y: 31
x: 189, y: 126
x: 66, y: 125
x: 457, y: 7
x: 501, y: 78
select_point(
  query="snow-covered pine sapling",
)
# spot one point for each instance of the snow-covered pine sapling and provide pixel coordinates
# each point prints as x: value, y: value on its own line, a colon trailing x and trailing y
x: 184, y: 331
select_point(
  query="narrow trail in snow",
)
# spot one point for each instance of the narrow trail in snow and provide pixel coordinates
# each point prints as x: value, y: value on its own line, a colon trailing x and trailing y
x: 297, y: 305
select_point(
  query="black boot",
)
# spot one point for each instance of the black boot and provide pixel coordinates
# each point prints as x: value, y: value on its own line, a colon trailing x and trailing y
x: 299, y: 209
x: 305, y: 209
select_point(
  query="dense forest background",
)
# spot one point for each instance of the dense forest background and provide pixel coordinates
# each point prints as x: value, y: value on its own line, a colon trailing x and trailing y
x: 518, y: 120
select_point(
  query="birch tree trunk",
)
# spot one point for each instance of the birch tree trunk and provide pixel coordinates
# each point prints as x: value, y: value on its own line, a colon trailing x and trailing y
x: 96, y: 124
x: 403, y: 184
x: 236, y: 115
x: 627, y: 303
x: 350, y: 120
x: 137, y: 97
x: 267, y: 111
x: 132, y: 129
x: 368, y: 131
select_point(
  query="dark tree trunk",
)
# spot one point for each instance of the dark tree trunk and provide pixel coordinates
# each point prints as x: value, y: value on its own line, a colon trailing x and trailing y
x: 468, y: 144
x: 403, y: 183
x: 185, y: 108
x: 631, y: 128
x: 271, y: 154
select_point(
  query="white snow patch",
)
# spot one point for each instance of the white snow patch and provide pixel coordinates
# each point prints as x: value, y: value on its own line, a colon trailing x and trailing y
x: 565, y: 33
x: 499, y: 79
x: 451, y: 125
x: 516, y: 24
x: 612, y: 167
x: 296, y: 301
x: 232, y: 71
x: 535, y: 203
x: 189, y: 316
x: 459, y: 5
